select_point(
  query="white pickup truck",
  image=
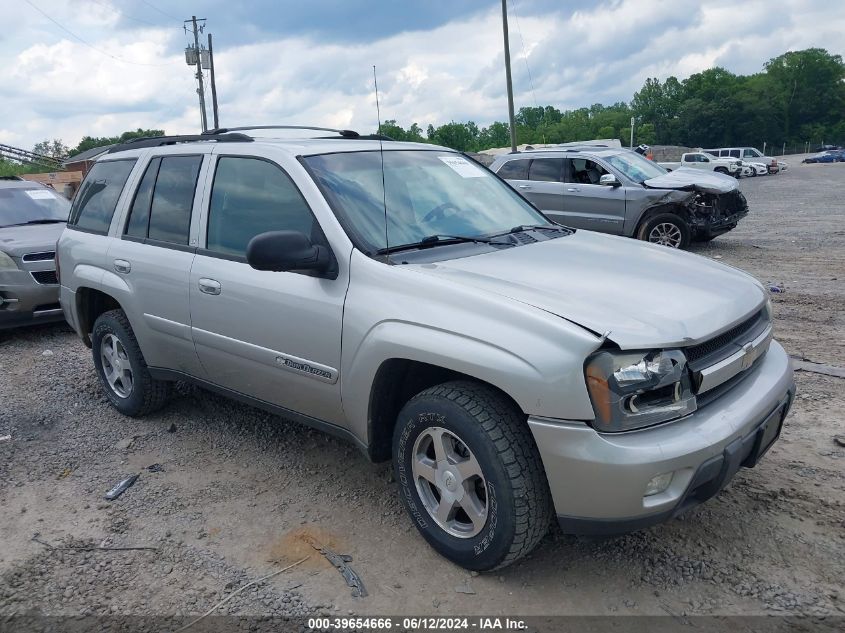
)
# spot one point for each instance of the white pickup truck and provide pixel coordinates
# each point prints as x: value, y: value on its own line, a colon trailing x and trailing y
x: 703, y: 160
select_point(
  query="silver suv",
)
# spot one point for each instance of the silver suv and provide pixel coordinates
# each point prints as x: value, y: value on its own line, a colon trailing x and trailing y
x: 614, y: 190
x: 404, y: 297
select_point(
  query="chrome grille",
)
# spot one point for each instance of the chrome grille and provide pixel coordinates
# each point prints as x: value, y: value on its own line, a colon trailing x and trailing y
x: 710, y: 350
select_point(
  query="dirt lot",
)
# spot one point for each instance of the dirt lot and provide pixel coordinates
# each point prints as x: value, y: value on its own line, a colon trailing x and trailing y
x: 238, y: 492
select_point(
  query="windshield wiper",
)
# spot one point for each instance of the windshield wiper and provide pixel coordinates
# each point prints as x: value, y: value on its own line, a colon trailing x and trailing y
x: 442, y: 239
x: 538, y: 227
x: 53, y: 221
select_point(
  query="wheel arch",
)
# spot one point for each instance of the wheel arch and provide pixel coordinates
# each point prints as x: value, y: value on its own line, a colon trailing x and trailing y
x: 90, y: 304
x: 396, y: 381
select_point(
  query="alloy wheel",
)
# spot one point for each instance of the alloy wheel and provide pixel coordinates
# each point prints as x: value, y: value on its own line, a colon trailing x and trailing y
x: 450, y: 482
x: 666, y: 234
x: 116, y: 366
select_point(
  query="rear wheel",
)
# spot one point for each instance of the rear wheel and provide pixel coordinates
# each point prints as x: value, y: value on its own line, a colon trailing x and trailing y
x: 470, y: 475
x: 122, y: 369
x: 666, y: 229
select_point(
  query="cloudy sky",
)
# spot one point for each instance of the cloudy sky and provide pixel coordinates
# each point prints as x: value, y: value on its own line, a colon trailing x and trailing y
x: 99, y: 67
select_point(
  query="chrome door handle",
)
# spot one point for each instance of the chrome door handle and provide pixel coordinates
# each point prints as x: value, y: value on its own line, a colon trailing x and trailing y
x: 209, y: 286
x: 122, y: 266
x: 524, y: 186
x: 572, y: 189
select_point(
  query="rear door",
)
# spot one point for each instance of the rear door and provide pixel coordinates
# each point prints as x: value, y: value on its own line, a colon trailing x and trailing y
x: 545, y: 186
x: 273, y: 336
x: 516, y: 173
x: 153, y: 257
x: 587, y: 204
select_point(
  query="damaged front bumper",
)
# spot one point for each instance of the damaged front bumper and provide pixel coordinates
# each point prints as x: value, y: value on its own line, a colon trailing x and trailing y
x: 715, y: 214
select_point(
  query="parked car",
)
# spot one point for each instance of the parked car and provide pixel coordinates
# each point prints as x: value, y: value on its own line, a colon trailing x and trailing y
x: 621, y: 192
x: 32, y: 217
x: 750, y: 154
x: 405, y: 298
x: 825, y: 148
x: 830, y: 156
x: 756, y: 169
x: 707, y: 162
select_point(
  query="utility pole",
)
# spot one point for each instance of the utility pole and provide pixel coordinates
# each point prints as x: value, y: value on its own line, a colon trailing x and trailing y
x: 193, y: 57
x: 632, y: 132
x: 511, y: 120
x: 213, y: 84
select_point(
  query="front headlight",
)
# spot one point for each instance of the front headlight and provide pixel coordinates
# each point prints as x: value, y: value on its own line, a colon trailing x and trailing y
x: 631, y: 390
x: 6, y: 262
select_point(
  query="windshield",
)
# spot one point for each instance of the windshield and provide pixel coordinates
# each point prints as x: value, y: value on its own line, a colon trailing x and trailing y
x: 20, y: 205
x: 634, y: 166
x: 425, y: 193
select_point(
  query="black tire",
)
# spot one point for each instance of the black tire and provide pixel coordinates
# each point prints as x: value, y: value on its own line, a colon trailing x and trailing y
x: 147, y: 394
x: 649, y: 225
x: 721, y: 170
x: 519, y: 507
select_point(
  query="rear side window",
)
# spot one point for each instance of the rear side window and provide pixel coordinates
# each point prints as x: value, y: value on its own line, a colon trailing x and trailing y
x: 690, y: 158
x: 251, y: 196
x: 139, y: 214
x: 161, y: 210
x: 546, y: 169
x: 734, y: 153
x: 94, y: 205
x: 514, y: 170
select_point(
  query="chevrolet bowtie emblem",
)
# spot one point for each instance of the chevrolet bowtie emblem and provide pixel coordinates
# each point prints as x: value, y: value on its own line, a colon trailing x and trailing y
x: 749, y: 355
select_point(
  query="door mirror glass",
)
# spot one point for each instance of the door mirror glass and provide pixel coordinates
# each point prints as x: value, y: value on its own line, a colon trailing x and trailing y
x: 282, y: 251
x: 609, y: 180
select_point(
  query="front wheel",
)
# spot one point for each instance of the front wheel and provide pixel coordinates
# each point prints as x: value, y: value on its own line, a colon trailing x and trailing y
x: 666, y: 229
x: 470, y: 475
x: 724, y: 170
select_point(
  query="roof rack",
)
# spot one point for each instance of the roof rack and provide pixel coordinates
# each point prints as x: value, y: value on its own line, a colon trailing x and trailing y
x: 159, y: 141
x: 343, y: 133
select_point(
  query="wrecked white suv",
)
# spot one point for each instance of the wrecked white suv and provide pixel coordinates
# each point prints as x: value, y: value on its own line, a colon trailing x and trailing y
x: 405, y: 298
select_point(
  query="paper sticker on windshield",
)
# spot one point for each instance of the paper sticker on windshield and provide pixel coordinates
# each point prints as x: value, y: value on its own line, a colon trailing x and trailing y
x: 39, y: 194
x: 464, y: 168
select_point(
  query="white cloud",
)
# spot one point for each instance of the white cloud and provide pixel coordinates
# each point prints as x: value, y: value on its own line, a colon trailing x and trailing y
x: 52, y: 85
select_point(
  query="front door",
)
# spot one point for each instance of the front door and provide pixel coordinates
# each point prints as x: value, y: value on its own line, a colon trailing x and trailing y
x: 589, y: 205
x: 274, y: 336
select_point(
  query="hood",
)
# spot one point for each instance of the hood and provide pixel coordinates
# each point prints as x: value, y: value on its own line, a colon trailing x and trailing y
x: 690, y: 179
x: 31, y: 238
x: 644, y: 295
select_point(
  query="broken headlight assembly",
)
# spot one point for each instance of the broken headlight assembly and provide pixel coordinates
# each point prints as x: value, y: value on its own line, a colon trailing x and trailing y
x: 632, y: 390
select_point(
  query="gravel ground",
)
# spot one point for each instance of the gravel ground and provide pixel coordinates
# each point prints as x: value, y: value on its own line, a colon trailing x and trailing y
x: 234, y: 493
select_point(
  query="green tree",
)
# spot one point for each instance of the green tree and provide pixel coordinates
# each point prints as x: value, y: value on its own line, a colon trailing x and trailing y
x: 54, y: 148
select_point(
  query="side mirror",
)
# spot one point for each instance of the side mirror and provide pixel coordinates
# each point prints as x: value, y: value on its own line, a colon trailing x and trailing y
x: 609, y: 180
x: 281, y: 251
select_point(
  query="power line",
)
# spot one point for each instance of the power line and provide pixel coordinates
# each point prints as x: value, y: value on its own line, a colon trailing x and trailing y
x: 125, y: 15
x: 151, y: 5
x: 524, y: 54
x: 86, y: 42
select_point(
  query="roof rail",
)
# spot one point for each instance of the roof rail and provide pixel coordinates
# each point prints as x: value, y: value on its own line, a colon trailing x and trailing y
x: 343, y: 133
x: 159, y: 141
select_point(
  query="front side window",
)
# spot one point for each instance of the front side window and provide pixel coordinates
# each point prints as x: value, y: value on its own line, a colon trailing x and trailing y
x: 252, y: 196
x: 419, y: 194
x: 96, y: 200
x: 585, y: 171
x: 31, y: 205
x: 514, y: 170
x: 546, y: 169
